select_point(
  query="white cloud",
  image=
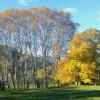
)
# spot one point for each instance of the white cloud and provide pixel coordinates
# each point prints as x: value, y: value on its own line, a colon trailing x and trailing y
x: 70, y: 10
x: 22, y: 2
x: 98, y: 18
x: 26, y: 2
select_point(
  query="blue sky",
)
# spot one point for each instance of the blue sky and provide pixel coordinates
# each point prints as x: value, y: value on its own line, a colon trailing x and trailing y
x: 85, y: 12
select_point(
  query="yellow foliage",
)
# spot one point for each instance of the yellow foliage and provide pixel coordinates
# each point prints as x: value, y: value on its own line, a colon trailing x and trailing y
x: 40, y: 73
x: 79, y: 64
x: 87, y: 81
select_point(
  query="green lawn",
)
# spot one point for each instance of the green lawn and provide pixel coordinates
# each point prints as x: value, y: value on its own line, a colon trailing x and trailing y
x: 65, y: 93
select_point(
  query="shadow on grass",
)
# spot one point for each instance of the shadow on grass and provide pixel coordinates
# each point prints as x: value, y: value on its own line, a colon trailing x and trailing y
x: 52, y: 94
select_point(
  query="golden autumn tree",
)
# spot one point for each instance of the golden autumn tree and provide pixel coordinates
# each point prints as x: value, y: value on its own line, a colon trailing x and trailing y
x: 79, y: 65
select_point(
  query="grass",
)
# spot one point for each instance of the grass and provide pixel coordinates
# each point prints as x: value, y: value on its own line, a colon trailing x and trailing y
x: 64, y: 93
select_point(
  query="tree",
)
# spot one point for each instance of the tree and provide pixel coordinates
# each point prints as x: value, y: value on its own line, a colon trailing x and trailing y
x: 79, y: 65
x: 32, y: 34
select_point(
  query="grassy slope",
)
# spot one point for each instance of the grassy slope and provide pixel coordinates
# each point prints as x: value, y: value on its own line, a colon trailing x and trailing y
x: 65, y: 93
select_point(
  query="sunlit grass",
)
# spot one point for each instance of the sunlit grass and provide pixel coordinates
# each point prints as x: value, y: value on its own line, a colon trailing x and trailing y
x: 63, y: 93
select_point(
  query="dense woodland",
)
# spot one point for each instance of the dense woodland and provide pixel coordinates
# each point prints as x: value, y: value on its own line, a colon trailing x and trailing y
x: 39, y: 47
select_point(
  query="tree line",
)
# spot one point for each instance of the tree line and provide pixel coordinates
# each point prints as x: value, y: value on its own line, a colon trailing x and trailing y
x: 31, y: 43
x: 39, y: 48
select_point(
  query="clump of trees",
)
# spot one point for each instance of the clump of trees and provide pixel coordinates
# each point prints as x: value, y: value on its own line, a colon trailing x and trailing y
x: 31, y: 43
x: 81, y: 65
x: 39, y: 47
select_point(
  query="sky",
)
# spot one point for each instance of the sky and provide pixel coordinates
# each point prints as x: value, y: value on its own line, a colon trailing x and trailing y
x: 84, y: 12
